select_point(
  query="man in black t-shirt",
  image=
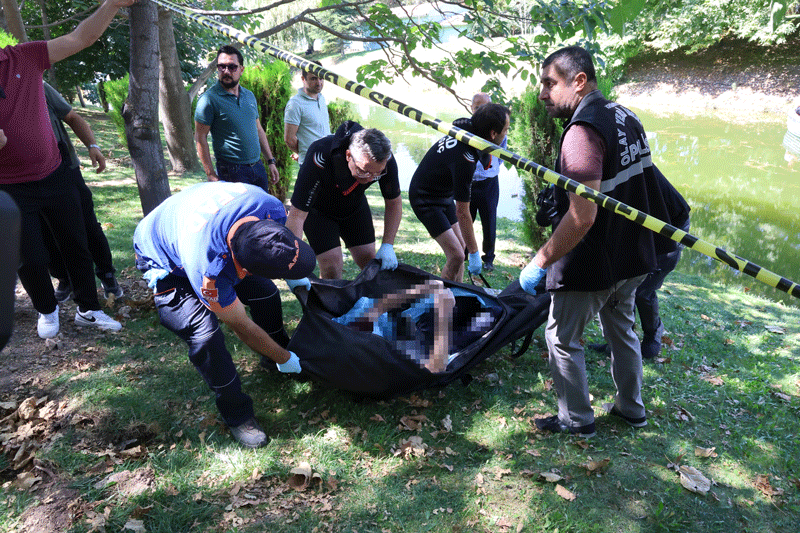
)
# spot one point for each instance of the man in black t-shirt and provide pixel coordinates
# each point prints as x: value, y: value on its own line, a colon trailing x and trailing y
x: 329, y: 203
x: 440, y: 189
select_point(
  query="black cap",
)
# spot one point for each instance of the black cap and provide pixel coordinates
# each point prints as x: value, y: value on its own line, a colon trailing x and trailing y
x: 268, y: 249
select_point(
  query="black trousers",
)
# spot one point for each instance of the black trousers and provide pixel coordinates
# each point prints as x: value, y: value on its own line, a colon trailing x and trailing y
x: 53, y: 201
x: 485, y: 196
x: 182, y: 312
x: 96, y: 239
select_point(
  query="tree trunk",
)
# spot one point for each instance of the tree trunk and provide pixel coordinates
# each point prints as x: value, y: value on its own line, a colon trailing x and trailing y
x: 141, y: 108
x: 14, y: 20
x: 175, y: 108
x: 80, y: 95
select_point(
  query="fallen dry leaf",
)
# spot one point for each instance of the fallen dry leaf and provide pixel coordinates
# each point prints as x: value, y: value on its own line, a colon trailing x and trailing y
x: 137, y: 526
x: 763, y: 485
x: 447, y: 423
x: 693, y: 480
x: 377, y: 418
x: 714, y: 380
x: 565, y: 493
x: 412, y: 422
x: 782, y: 396
x: 684, y: 415
x: 411, y: 447
x: 500, y: 472
x: 775, y: 329
x: 551, y: 477
x: 594, y: 466
x: 705, y: 452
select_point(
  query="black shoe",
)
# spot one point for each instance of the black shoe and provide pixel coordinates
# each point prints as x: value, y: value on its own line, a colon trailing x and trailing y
x: 110, y: 286
x: 650, y: 348
x: 651, y: 344
x: 63, y: 290
x: 611, y: 409
x: 554, y: 425
x: 250, y: 434
x: 488, y: 266
x: 601, y: 348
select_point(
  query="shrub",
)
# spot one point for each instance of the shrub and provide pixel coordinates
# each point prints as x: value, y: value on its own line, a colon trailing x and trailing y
x: 6, y: 39
x: 116, y: 92
x: 533, y: 135
x: 271, y: 83
x: 340, y: 111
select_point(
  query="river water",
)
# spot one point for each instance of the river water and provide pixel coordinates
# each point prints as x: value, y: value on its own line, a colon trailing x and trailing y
x: 744, y: 196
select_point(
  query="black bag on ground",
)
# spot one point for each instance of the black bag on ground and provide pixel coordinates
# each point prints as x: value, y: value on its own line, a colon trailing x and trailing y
x: 342, y: 357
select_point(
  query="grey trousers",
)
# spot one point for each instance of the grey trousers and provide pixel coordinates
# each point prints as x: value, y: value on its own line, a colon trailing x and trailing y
x: 570, y: 312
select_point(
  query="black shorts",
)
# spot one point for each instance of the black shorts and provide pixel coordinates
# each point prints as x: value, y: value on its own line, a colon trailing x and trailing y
x: 436, y: 217
x: 323, y: 231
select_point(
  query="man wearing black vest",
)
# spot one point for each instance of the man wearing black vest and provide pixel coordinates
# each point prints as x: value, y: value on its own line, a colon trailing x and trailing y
x: 594, y: 259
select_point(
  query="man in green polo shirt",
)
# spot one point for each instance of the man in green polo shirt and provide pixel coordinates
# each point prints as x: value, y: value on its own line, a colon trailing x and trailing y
x: 305, y: 118
x: 230, y: 113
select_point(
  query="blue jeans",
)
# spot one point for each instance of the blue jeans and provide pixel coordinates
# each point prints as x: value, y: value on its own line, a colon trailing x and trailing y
x: 254, y: 174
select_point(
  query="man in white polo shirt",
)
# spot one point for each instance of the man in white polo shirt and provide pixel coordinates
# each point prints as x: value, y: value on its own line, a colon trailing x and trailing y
x: 306, y: 116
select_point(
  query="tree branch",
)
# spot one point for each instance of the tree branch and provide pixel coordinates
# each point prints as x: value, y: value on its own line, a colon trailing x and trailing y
x: 76, y: 16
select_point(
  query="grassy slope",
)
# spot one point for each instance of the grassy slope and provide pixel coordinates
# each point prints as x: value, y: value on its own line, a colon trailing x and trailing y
x: 725, y: 382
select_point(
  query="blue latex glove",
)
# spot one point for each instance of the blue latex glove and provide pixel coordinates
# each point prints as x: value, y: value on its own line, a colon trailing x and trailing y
x: 292, y: 366
x: 474, y: 263
x: 530, y: 277
x: 302, y: 282
x: 387, y: 256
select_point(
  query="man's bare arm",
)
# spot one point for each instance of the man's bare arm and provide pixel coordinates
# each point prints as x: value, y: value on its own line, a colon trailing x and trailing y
x: 201, y: 132
x: 235, y: 316
x: 290, y: 137
x: 465, y: 223
x: 84, y: 132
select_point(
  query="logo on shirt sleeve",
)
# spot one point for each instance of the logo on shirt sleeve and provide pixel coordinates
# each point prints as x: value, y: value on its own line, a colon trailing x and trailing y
x: 209, y: 291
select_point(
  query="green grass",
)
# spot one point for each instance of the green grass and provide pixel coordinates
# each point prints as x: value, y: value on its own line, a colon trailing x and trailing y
x: 725, y: 382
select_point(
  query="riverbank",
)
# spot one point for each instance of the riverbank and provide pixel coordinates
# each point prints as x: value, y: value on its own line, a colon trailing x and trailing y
x: 733, y: 79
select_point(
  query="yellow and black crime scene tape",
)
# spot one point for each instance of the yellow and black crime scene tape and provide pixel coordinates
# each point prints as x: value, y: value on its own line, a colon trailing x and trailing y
x: 651, y: 223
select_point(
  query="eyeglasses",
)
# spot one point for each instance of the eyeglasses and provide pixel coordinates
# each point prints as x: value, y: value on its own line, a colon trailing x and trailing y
x: 231, y: 67
x: 363, y: 174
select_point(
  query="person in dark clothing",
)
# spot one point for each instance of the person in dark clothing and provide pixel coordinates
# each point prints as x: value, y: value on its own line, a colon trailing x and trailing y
x: 60, y: 113
x: 595, y: 259
x: 440, y: 189
x: 329, y: 204
x: 32, y: 172
x: 646, y: 297
x: 486, y: 194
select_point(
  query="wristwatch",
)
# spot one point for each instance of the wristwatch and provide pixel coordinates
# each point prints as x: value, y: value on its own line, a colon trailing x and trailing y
x: 93, y: 146
x: 272, y: 161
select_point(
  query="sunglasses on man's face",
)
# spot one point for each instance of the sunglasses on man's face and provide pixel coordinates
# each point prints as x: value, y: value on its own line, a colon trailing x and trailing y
x: 230, y: 67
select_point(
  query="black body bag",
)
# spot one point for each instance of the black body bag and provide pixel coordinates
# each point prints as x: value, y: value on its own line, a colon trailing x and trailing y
x: 342, y: 357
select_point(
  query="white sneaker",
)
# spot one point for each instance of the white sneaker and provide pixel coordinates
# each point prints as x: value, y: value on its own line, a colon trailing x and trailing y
x: 97, y: 319
x: 48, y: 324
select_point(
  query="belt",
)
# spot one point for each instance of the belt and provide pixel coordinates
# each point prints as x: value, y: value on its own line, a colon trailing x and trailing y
x: 251, y: 165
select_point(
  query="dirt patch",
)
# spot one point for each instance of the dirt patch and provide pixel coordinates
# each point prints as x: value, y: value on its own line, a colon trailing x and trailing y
x: 735, y: 79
